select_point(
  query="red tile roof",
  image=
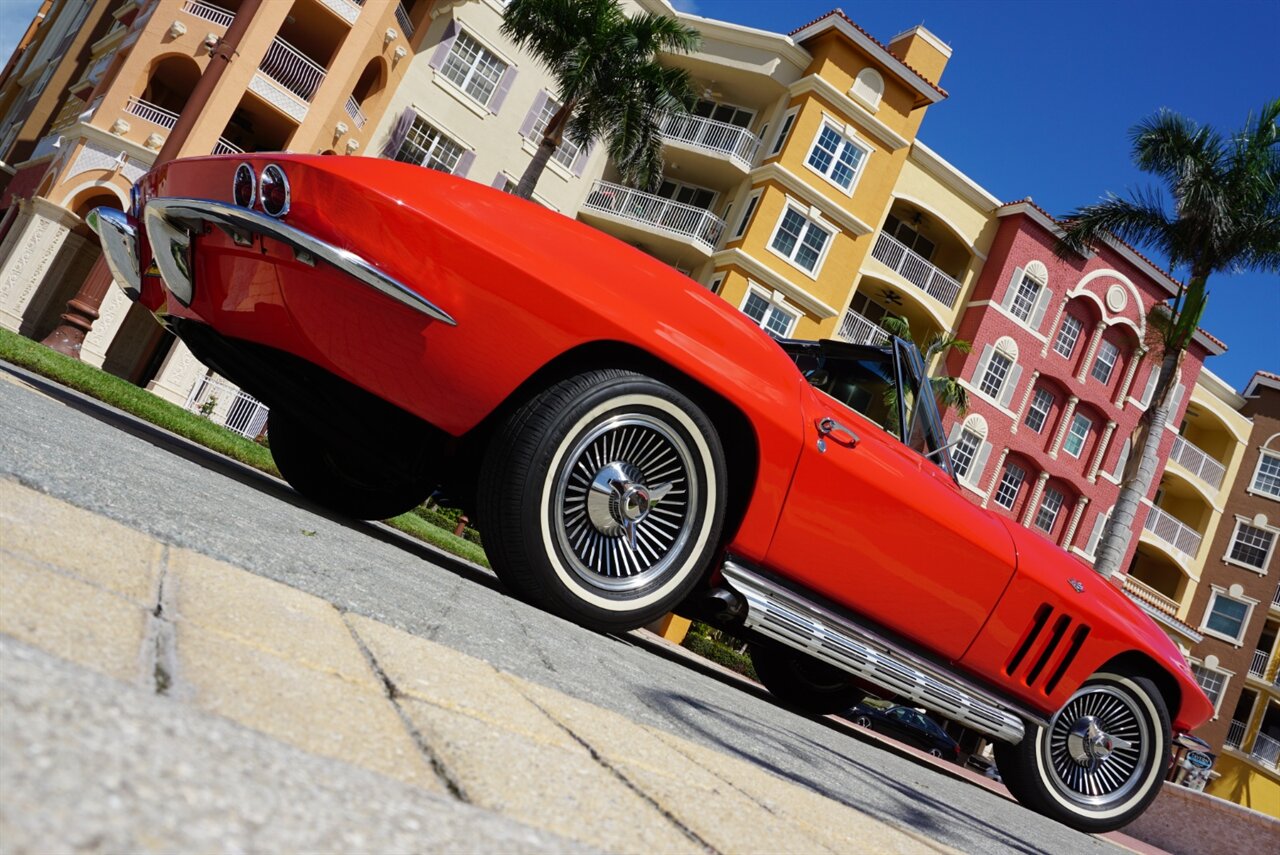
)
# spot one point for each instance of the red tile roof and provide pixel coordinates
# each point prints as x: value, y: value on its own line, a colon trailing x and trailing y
x: 840, y: 13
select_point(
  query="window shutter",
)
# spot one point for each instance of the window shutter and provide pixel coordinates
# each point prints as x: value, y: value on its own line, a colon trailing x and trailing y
x: 981, y: 370
x: 464, y: 164
x: 1010, y: 385
x: 1007, y: 303
x: 1041, y: 306
x: 979, y: 464
x: 580, y: 162
x: 1099, y: 522
x: 446, y: 44
x: 398, y: 132
x: 1178, y: 391
x: 955, y: 433
x: 526, y: 127
x: 500, y: 181
x: 504, y: 86
x: 1150, y: 389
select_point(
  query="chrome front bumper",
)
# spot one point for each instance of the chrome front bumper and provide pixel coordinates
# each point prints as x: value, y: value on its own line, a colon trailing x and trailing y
x: 170, y: 224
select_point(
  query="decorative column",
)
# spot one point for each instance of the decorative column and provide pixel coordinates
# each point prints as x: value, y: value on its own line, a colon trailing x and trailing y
x: 1089, y: 354
x: 995, y: 477
x: 1033, y: 503
x: 31, y: 250
x: 1138, y: 355
x: 1063, y: 423
x: 1026, y: 396
x: 1053, y: 327
x: 1076, y: 515
x: 1101, y: 452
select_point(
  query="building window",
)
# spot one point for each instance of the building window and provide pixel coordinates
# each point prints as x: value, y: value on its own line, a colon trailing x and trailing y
x: 1213, y: 682
x: 1108, y: 353
x: 568, y: 150
x: 1050, y: 505
x: 746, y: 216
x: 1039, y: 411
x: 1024, y: 299
x: 783, y: 133
x: 1266, y: 479
x: 427, y: 146
x: 837, y: 157
x: 800, y: 240
x: 1076, y: 436
x: 1065, y: 344
x: 771, y: 317
x: 1010, y: 484
x: 994, y: 377
x: 473, y: 69
x: 1251, y: 546
x: 964, y: 451
x: 1225, y: 617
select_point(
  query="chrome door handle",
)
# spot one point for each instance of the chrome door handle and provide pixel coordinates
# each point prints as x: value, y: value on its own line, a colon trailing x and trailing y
x: 837, y: 433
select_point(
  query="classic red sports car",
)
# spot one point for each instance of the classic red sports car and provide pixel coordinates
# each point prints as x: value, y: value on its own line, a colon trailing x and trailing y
x: 633, y: 445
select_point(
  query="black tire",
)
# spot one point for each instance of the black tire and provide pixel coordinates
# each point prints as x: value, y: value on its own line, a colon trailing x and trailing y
x: 863, y: 721
x: 357, y: 479
x: 802, y: 682
x: 602, y: 499
x: 1052, y: 771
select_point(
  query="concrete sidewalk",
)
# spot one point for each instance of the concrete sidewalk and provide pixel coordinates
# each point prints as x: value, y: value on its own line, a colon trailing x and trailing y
x: 465, y: 748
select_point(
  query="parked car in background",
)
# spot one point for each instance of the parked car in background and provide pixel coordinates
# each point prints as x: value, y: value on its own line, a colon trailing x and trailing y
x: 631, y: 445
x: 907, y: 725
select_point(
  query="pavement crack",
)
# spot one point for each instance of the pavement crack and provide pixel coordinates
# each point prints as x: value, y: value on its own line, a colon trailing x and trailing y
x: 394, y: 695
x: 160, y: 652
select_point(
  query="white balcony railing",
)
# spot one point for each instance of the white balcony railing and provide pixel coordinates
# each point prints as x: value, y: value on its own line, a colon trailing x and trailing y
x: 1173, y: 531
x: 224, y: 147
x: 1197, y: 462
x: 149, y: 112
x: 402, y: 18
x: 913, y: 267
x: 1258, y: 665
x: 292, y: 69
x: 1235, y: 734
x: 228, y: 406
x: 1275, y: 598
x: 1266, y: 749
x: 1138, y: 590
x: 665, y: 215
x: 859, y: 329
x: 353, y: 110
x: 209, y: 12
x: 737, y: 143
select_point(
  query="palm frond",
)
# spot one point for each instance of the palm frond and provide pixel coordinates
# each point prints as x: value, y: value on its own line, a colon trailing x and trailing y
x: 1140, y: 219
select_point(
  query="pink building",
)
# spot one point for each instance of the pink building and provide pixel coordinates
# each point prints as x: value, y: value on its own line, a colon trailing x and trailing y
x: 1062, y: 369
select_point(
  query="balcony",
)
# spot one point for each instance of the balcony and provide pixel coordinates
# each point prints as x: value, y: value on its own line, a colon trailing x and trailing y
x: 1198, y: 463
x: 356, y: 114
x: 224, y: 147
x: 646, y: 216
x: 708, y: 146
x: 1258, y: 665
x: 347, y: 10
x: 1172, y: 532
x: 859, y: 329
x: 293, y: 79
x: 402, y: 18
x: 1266, y: 750
x: 149, y: 112
x: 912, y: 267
x: 1235, y: 735
x: 1144, y: 593
x: 209, y: 12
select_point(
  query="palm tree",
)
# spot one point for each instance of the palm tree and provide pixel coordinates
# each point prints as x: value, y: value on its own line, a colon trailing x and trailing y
x: 610, y: 85
x: 947, y: 390
x: 1224, y: 216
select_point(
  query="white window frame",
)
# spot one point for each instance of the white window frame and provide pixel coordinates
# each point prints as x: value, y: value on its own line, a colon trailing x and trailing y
x: 1054, y: 512
x: 775, y: 303
x: 963, y: 446
x: 1077, y: 421
x: 748, y: 211
x: 988, y: 372
x: 470, y: 71
x: 1265, y: 456
x: 568, y: 150
x: 1041, y: 396
x: 847, y: 140
x: 1108, y: 355
x: 1019, y: 296
x: 1077, y: 326
x: 810, y: 222
x: 1197, y: 665
x: 1214, y: 596
x: 1000, y: 487
x: 1271, y: 550
x: 430, y: 154
x: 784, y: 131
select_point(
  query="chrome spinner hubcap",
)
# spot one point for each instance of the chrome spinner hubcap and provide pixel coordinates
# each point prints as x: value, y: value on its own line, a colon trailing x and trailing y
x: 1098, y: 747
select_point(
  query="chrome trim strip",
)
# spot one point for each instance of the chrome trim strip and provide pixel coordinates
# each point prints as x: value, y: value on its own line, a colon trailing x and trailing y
x: 232, y: 218
x: 119, y: 239
x: 784, y: 616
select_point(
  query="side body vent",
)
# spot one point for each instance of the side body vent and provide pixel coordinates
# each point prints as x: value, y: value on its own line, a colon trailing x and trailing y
x: 1041, y: 641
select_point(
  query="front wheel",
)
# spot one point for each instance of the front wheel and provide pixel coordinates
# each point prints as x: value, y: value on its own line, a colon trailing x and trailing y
x: 602, y: 499
x: 1101, y: 761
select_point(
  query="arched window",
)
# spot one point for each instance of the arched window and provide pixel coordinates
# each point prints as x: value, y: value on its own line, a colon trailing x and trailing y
x: 1028, y: 295
x: 998, y: 371
x: 969, y: 449
x: 868, y: 87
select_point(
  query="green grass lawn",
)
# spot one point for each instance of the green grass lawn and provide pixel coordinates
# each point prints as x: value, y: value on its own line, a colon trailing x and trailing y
x: 123, y: 395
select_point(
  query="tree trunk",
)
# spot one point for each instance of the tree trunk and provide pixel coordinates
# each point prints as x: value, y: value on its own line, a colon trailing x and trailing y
x: 551, y: 139
x: 1137, y: 480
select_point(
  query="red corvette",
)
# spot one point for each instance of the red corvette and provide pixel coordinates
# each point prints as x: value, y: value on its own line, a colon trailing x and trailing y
x: 632, y: 445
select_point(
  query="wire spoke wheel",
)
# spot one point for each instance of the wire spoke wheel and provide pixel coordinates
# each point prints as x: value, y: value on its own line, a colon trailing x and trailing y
x: 1097, y: 746
x: 622, y: 502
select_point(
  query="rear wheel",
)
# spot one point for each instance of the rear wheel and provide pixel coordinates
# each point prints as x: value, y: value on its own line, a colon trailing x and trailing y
x: 1101, y: 761
x: 802, y: 682
x: 361, y: 479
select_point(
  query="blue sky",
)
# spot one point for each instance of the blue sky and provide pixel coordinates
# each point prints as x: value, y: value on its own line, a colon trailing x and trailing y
x: 1042, y: 97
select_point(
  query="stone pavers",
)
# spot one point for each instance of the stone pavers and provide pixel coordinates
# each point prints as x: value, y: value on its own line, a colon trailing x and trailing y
x: 222, y: 641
